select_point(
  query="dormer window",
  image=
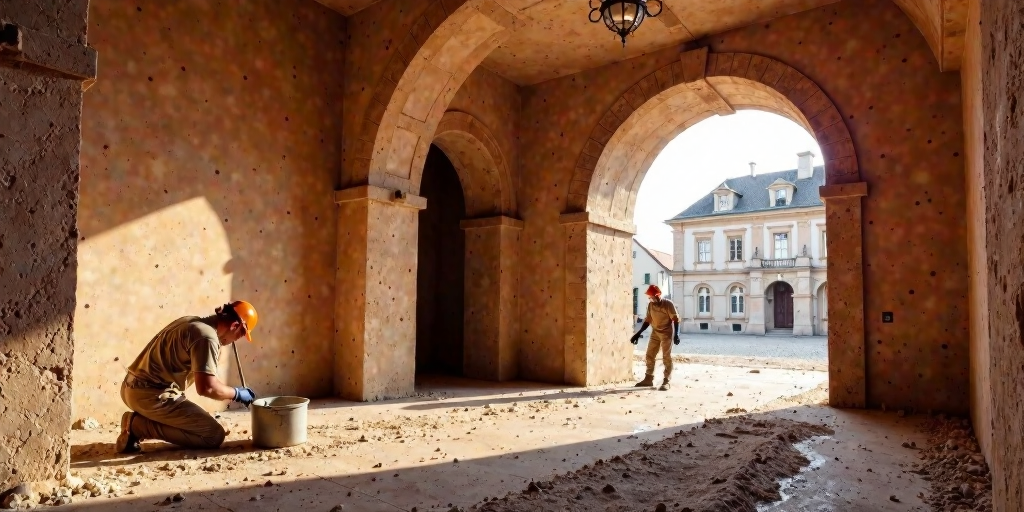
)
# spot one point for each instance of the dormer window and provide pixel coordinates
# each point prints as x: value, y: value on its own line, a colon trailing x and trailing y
x: 725, y: 198
x: 780, y: 193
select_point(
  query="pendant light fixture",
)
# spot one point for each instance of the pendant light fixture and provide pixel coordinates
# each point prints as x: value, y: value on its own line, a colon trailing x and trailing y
x: 623, y: 17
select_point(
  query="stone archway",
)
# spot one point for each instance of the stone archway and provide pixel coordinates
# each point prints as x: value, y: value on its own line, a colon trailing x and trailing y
x: 491, y: 316
x: 375, y: 307
x: 620, y: 150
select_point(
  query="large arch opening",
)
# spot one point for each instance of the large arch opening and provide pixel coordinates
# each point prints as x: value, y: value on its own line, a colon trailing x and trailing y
x: 379, y: 212
x: 622, y: 148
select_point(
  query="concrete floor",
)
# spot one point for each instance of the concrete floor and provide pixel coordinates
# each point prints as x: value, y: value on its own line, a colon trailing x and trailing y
x: 409, y: 456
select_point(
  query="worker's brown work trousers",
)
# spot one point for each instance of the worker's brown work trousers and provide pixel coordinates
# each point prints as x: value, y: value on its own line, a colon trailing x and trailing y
x: 173, y: 419
x: 665, y: 347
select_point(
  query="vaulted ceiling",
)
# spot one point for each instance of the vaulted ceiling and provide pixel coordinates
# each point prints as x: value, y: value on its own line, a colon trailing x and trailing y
x: 557, y: 39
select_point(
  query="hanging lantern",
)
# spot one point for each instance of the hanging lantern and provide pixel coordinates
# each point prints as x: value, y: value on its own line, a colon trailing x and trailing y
x: 623, y: 16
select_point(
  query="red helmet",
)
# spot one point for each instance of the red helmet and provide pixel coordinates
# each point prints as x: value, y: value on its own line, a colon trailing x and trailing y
x: 653, y: 290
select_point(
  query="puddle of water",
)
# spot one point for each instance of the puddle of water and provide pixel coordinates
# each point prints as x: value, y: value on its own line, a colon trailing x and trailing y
x: 816, y: 461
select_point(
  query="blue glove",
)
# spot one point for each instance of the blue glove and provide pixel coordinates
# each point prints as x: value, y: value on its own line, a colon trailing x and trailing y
x: 244, y: 396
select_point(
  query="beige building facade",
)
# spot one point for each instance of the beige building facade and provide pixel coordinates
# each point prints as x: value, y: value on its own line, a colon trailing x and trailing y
x: 750, y: 256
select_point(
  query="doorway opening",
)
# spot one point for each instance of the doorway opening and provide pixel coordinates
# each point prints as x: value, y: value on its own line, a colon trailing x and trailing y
x: 778, y: 312
x: 441, y: 270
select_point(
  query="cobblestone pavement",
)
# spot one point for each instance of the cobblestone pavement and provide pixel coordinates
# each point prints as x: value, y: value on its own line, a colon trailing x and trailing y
x: 811, y: 348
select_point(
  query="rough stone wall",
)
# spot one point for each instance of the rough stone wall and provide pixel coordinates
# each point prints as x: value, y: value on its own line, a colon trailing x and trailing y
x: 40, y: 140
x: 905, y: 118
x: 609, y: 276
x: 1002, y: 78
x: 210, y: 153
x: 977, y: 255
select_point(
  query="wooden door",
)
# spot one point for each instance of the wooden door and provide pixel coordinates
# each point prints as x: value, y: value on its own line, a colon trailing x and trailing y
x: 783, y: 305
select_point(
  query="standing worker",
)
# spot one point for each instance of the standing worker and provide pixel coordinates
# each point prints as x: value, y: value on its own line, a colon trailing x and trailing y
x: 661, y: 315
x: 186, y: 351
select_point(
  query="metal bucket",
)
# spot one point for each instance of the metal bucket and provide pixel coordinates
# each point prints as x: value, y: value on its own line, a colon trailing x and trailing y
x: 279, y: 421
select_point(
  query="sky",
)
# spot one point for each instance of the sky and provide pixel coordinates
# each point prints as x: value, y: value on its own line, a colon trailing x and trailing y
x: 704, y: 156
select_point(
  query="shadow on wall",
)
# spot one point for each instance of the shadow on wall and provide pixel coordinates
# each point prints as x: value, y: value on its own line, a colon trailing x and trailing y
x: 207, y: 176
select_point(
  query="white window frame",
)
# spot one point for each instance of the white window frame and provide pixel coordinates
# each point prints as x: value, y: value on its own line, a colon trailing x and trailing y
x: 724, y: 203
x: 775, y: 245
x: 736, y: 302
x: 704, y: 301
x: 823, y: 248
x: 736, y: 253
x: 781, y: 193
x: 701, y: 241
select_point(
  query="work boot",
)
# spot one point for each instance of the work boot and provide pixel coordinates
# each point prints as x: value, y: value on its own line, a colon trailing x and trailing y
x: 126, y: 441
x: 646, y: 383
x: 665, y: 386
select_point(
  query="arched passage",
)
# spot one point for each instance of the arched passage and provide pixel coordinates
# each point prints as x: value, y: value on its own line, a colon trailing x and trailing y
x: 375, y: 354
x: 620, y: 150
x: 492, y: 234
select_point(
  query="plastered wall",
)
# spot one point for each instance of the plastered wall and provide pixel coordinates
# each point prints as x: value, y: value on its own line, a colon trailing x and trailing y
x: 210, y: 151
x: 905, y: 118
x: 974, y: 186
x: 1002, y: 79
x: 40, y: 123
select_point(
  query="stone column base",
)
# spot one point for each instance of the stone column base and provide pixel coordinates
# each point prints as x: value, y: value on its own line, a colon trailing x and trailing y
x: 491, y: 351
x: 375, y: 310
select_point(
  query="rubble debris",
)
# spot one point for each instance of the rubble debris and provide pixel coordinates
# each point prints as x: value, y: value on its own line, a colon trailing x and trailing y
x: 960, y: 478
x: 86, y: 424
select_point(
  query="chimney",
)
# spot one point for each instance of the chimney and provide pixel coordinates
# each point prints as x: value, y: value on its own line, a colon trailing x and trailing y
x: 752, y: 166
x: 805, y: 165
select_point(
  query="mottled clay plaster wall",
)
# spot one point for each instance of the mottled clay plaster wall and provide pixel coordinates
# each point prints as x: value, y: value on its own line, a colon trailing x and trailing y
x: 40, y: 137
x: 496, y: 103
x: 974, y: 149
x: 210, y: 153
x: 1002, y: 53
x: 905, y: 118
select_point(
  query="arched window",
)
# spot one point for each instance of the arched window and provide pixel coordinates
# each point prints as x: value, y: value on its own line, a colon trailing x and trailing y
x: 704, y: 301
x: 737, y: 300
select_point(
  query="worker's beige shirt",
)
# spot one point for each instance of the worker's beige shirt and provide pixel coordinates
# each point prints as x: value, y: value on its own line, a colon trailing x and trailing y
x: 660, y: 315
x: 188, y: 345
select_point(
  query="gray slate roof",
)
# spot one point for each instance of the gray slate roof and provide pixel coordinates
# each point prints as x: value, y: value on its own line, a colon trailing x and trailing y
x: 754, y: 190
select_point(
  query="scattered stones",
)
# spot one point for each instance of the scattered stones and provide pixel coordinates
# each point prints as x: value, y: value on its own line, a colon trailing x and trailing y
x: 608, y: 489
x: 660, y: 507
x: 178, y: 498
x: 754, y: 371
x: 86, y: 424
x: 338, y: 508
x: 893, y: 498
x: 729, y: 394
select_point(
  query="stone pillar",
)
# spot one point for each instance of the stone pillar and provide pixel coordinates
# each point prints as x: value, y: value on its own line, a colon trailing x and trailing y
x: 44, y: 67
x: 803, y: 307
x: 492, y: 335
x: 375, y: 310
x: 755, y: 298
x: 846, y: 342
x: 598, y: 299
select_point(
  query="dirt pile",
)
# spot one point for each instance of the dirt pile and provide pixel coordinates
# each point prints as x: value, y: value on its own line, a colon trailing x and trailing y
x: 724, y: 466
x: 960, y: 478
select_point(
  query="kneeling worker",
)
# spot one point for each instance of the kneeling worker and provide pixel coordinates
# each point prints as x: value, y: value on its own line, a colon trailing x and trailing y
x: 186, y: 351
x: 661, y: 315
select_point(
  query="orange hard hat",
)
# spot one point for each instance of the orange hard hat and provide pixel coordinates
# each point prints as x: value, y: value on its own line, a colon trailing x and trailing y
x: 653, y: 290
x: 247, y: 314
